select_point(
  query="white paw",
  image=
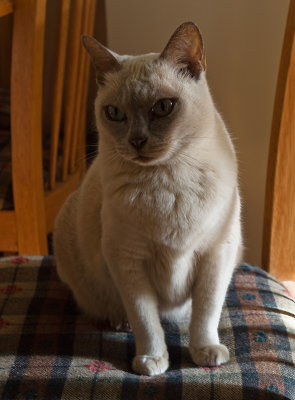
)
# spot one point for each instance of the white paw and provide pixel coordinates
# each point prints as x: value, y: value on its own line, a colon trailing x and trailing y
x: 210, y: 355
x: 148, y: 365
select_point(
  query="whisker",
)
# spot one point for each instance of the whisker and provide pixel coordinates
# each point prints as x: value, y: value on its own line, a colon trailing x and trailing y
x: 189, y: 159
x: 87, y: 157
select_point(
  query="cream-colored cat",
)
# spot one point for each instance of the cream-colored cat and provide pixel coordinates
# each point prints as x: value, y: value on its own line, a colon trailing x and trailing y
x: 154, y: 229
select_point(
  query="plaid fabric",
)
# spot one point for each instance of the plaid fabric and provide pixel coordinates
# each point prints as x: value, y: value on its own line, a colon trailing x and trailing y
x: 50, y: 351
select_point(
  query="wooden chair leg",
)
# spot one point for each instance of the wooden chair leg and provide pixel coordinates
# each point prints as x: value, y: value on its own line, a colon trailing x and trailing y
x: 26, y: 125
x: 278, y: 254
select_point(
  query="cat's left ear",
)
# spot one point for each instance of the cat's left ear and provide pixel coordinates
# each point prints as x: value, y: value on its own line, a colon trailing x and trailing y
x: 185, y: 49
x: 103, y: 59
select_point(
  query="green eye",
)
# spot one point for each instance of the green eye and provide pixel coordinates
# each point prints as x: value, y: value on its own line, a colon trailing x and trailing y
x: 114, y: 114
x: 163, y: 107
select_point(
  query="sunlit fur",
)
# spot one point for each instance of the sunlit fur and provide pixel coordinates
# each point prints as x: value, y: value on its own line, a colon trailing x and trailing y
x: 156, y: 232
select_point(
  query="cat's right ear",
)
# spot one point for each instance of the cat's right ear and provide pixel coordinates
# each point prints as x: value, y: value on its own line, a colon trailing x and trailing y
x: 185, y: 49
x: 103, y: 60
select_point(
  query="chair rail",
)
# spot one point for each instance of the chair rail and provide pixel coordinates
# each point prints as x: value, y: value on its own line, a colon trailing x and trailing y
x: 6, y: 7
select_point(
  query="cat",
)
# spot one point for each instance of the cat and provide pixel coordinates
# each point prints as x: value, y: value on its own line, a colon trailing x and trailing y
x: 154, y: 229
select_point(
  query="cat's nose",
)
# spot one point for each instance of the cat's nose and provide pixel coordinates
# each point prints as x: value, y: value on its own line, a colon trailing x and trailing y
x: 138, y: 142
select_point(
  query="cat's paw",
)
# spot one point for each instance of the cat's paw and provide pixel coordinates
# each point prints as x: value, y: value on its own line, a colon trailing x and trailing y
x: 149, y: 365
x: 211, y: 356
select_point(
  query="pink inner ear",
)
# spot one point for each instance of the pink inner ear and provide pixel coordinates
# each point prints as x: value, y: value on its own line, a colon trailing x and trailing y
x: 194, y: 50
x: 198, y: 54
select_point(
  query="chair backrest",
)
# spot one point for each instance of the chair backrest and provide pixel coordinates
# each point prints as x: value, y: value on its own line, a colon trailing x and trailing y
x: 57, y: 143
x: 70, y: 88
x: 278, y: 256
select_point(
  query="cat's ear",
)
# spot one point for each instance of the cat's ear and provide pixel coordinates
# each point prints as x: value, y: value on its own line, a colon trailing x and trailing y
x: 104, y: 61
x: 185, y: 49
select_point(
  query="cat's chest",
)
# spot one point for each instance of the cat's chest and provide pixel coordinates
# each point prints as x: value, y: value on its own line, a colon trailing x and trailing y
x: 171, y: 275
x: 167, y: 206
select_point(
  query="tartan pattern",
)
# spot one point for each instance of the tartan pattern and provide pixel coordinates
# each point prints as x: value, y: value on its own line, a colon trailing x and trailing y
x: 50, y: 351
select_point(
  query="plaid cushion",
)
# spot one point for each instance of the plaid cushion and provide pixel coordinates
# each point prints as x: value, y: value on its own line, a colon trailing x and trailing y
x: 50, y: 351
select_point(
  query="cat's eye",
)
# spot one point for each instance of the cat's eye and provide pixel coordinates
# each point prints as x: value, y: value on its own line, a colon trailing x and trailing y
x: 114, y: 114
x: 163, y: 107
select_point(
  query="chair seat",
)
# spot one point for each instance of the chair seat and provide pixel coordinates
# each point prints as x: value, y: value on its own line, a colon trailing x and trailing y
x: 50, y: 350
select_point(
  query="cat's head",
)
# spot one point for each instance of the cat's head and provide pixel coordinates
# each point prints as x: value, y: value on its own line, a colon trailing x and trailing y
x: 150, y: 106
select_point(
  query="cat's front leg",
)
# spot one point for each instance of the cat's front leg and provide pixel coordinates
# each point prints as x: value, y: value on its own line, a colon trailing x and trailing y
x: 142, y: 310
x: 140, y: 302
x: 213, y: 277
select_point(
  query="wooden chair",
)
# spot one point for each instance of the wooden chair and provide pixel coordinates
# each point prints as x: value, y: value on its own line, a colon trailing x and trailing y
x: 24, y: 229
x: 278, y: 255
x: 50, y: 350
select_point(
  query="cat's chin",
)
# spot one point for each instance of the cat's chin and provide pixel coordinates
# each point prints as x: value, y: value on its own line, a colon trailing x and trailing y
x: 148, y: 161
x: 143, y: 160
x: 139, y: 159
